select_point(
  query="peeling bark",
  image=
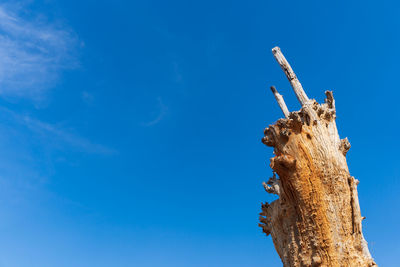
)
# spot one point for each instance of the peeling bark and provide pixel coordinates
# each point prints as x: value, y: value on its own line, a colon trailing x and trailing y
x: 317, y: 220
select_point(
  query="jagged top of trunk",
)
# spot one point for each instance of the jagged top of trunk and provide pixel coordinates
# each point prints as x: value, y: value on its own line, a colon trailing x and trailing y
x: 316, y: 221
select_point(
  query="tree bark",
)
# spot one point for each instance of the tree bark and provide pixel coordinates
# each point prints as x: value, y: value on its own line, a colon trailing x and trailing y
x: 316, y: 220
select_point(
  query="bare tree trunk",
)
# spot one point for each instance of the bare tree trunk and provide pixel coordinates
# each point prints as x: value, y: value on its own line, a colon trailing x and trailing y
x: 316, y: 221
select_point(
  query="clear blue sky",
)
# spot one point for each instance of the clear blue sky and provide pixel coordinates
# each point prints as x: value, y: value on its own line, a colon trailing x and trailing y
x: 130, y: 130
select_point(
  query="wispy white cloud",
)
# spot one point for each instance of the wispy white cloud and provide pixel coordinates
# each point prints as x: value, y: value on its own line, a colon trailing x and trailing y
x: 163, y: 109
x: 54, y: 135
x: 58, y: 134
x: 33, y: 53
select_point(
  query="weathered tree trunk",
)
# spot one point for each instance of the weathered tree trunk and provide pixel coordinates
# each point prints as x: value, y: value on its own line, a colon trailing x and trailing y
x: 316, y: 221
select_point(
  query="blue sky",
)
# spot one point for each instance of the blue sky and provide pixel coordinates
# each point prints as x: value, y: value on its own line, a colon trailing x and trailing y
x: 130, y: 130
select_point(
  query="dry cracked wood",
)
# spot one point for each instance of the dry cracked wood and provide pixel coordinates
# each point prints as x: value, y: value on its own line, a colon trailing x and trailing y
x: 316, y: 221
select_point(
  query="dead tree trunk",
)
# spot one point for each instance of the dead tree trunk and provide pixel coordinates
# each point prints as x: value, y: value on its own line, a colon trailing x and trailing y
x: 316, y: 221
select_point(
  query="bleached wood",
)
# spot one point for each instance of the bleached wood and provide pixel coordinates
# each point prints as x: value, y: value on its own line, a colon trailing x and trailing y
x: 294, y: 82
x: 281, y: 102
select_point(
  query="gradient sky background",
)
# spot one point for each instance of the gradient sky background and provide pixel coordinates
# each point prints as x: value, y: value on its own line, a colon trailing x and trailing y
x: 130, y: 130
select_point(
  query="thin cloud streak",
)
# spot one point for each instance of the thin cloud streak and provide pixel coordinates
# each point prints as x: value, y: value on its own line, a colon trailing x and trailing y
x: 163, y: 111
x: 33, y: 53
x: 56, y: 136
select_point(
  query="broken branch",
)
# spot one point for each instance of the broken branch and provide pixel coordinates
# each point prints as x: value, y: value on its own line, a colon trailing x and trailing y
x: 281, y: 102
x: 294, y: 82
